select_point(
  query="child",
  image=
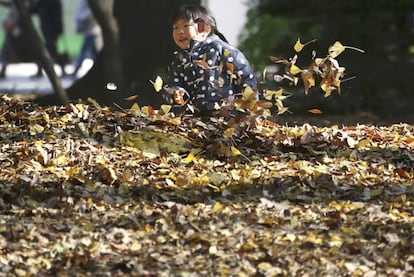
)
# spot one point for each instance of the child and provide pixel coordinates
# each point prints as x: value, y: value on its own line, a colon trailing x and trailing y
x: 206, y: 70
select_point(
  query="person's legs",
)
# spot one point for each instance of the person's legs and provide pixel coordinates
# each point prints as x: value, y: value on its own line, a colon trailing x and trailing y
x: 88, y: 48
x: 81, y: 57
x: 8, y: 54
x: 3, y: 70
x: 51, y: 46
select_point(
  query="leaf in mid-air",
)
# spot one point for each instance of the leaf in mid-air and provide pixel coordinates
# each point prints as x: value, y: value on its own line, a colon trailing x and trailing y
x: 299, y: 46
x: 131, y: 98
x: 308, y: 80
x: 158, y: 83
x: 166, y: 108
x: 315, y: 111
x: 337, y: 48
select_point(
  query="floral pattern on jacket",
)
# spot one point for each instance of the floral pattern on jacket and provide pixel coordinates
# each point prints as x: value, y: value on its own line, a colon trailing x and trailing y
x: 211, y: 71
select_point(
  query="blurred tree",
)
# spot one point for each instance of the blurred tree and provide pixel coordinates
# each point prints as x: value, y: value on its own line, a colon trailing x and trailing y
x: 39, y: 50
x: 138, y: 46
x: 380, y: 27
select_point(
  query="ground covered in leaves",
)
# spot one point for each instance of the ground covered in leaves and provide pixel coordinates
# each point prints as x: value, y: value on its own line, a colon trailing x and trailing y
x: 86, y: 190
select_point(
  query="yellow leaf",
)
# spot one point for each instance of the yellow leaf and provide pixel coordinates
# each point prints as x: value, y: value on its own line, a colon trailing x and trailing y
x: 229, y: 132
x: 291, y: 237
x: 264, y: 266
x: 248, y: 245
x: 189, y: 158
x: 299, y: 46
x: 36, y: 129
x: 157, y: 83
x: 363, y: 143
x: 248, y: 94
x: 65, y: 118
x: 268, y: 94
x: 166, y: 108
x: 278, y: 94
x: 336, y: 49
x: 134, y: 107
x: 20, y: 272
x: 217, y: 207
x: 295, y: 70
x: 235, y: 151
x: 72, y: 171
x: 319, y: 61
x: 216, y: 106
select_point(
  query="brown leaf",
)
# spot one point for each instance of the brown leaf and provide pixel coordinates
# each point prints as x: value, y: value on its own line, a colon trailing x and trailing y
x: 315, y: 111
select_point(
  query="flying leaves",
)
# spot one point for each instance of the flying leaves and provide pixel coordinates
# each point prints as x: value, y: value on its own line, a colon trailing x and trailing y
x: 337, y: 48
x: 299, y: 46
x: 157, y: 83
x: 326, y: 70
x: 315, y: 111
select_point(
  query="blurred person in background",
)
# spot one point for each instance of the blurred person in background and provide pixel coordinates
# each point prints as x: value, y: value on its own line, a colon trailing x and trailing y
x: 51, y: 25
x: 14, y: 47
x: 86, y: 25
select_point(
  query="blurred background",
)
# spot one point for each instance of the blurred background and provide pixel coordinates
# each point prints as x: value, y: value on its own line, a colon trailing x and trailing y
x: 231, y: 23
x: 71, y: 41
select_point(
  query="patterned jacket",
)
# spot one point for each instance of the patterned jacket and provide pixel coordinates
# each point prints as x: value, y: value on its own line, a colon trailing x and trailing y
x: 211, y: 71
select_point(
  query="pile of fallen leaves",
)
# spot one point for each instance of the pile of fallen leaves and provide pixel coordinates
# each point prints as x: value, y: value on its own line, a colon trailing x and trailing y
x: 86, y: 189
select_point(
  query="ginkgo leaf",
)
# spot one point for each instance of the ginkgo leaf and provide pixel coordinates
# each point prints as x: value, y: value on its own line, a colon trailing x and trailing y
x: 166, y: 108
x: 268, y: 94
x: 217, y: 207
x: 299, y: 46
x: 135, y: 107
x: 277, y: 94
x: 229, y: 132
x: 337, y: 48
x: 157, y: 84
x: 249, y: 94
x: 235, y: 151
x: 319, y: 61
x: 294, y: 69
x: 189, y: 158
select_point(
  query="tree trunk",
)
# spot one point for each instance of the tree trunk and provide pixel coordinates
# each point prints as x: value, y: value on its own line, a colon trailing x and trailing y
x: 40, y: 51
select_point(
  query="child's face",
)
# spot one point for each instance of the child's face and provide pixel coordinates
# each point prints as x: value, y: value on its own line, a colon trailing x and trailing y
x: 183, y: 32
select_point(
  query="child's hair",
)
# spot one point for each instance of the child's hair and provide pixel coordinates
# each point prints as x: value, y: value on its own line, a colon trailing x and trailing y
x: 198, y: 14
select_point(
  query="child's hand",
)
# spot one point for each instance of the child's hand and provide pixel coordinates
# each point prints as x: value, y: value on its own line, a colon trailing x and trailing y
x: 179, y: 96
